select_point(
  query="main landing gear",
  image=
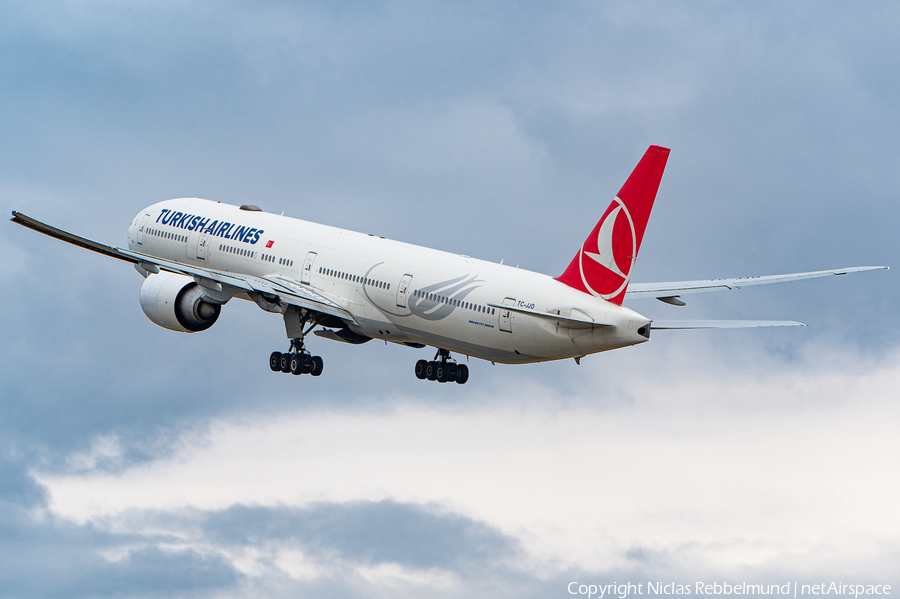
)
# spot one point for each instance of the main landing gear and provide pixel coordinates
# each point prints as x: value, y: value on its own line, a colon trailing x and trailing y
x: 442, y: 369
x: 297, y: 360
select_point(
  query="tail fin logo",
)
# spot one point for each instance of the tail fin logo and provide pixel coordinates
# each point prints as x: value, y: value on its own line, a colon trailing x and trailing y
x: 602, y: 266
x: 610, y: 253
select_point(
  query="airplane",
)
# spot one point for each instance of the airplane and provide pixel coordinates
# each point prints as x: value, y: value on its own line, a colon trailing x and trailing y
x: 197, y: 255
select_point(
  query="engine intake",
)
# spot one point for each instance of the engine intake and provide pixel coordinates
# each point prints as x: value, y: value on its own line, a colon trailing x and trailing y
x: 177, y: 303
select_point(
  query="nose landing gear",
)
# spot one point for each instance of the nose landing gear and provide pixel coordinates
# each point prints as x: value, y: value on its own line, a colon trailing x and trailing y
x: 442, y: 369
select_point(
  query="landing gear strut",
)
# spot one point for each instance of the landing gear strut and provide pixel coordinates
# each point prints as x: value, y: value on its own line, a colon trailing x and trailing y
x: 442, y: 369
x: 297, y: 360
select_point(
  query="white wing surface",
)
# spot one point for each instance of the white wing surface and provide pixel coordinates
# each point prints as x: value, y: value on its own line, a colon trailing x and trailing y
x: 669, y: 292
x: 288, y: 291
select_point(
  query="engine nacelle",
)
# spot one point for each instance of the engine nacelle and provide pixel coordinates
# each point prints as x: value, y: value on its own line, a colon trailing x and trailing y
x: 177, y: 303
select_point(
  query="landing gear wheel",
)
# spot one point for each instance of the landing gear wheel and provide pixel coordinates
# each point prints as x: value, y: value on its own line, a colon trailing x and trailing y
x: 298, y: 364
x: 275, y: 361
x: 443, y: 369
x: 298, y: 360
x: 317, y: 366
x: 421, y: 366
x: 462, y: 374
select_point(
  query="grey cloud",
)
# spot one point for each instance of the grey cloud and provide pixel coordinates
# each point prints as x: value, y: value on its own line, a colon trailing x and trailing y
x: 42, y: 556
x: 153, y: 571
x: 188, y: 553
x: 17, y: 487
x: 70, y: 565
x: 384, y: 531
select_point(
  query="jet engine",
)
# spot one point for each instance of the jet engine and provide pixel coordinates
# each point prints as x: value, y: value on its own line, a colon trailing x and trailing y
x: 177, y: 303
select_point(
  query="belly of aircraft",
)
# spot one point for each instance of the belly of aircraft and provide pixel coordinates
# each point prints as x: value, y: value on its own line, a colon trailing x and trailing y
x: 540, y: 342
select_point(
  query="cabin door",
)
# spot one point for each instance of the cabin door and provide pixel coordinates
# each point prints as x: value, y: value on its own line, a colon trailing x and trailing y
x: 141, y: 227
x: 506, y: 315
x: 307, y: 268
x: 403, y: 291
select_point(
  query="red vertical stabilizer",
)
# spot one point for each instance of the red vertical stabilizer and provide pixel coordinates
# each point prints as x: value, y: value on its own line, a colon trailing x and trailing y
x: 603, y: 265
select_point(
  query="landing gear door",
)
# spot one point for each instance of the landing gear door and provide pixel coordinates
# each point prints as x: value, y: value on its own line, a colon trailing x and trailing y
x: 307, y: 268
x: 506, y: 315
x: 403, y: 291
x: 141, y: 227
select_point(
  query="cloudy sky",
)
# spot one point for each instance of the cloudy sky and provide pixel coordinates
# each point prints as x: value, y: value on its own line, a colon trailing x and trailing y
x: 137, y: 462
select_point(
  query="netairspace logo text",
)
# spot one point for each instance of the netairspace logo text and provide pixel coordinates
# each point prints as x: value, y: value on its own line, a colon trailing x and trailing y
x: 790, y: 589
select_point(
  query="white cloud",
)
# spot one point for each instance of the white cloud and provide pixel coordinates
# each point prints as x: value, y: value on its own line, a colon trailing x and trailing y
x: 392, y: 576
x: 296, y: 564
x: 728, y: 465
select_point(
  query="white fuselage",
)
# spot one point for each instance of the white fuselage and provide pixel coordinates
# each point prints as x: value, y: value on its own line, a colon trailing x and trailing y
x: 396, y: 291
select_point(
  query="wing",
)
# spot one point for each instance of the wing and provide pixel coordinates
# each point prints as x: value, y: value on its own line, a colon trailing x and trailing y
x: 288, y: 291
x: 663, y: 325
x: 671, y: 292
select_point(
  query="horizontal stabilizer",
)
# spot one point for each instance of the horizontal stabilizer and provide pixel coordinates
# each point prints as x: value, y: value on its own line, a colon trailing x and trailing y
x: 662, y: 325
x: 677, y: 288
